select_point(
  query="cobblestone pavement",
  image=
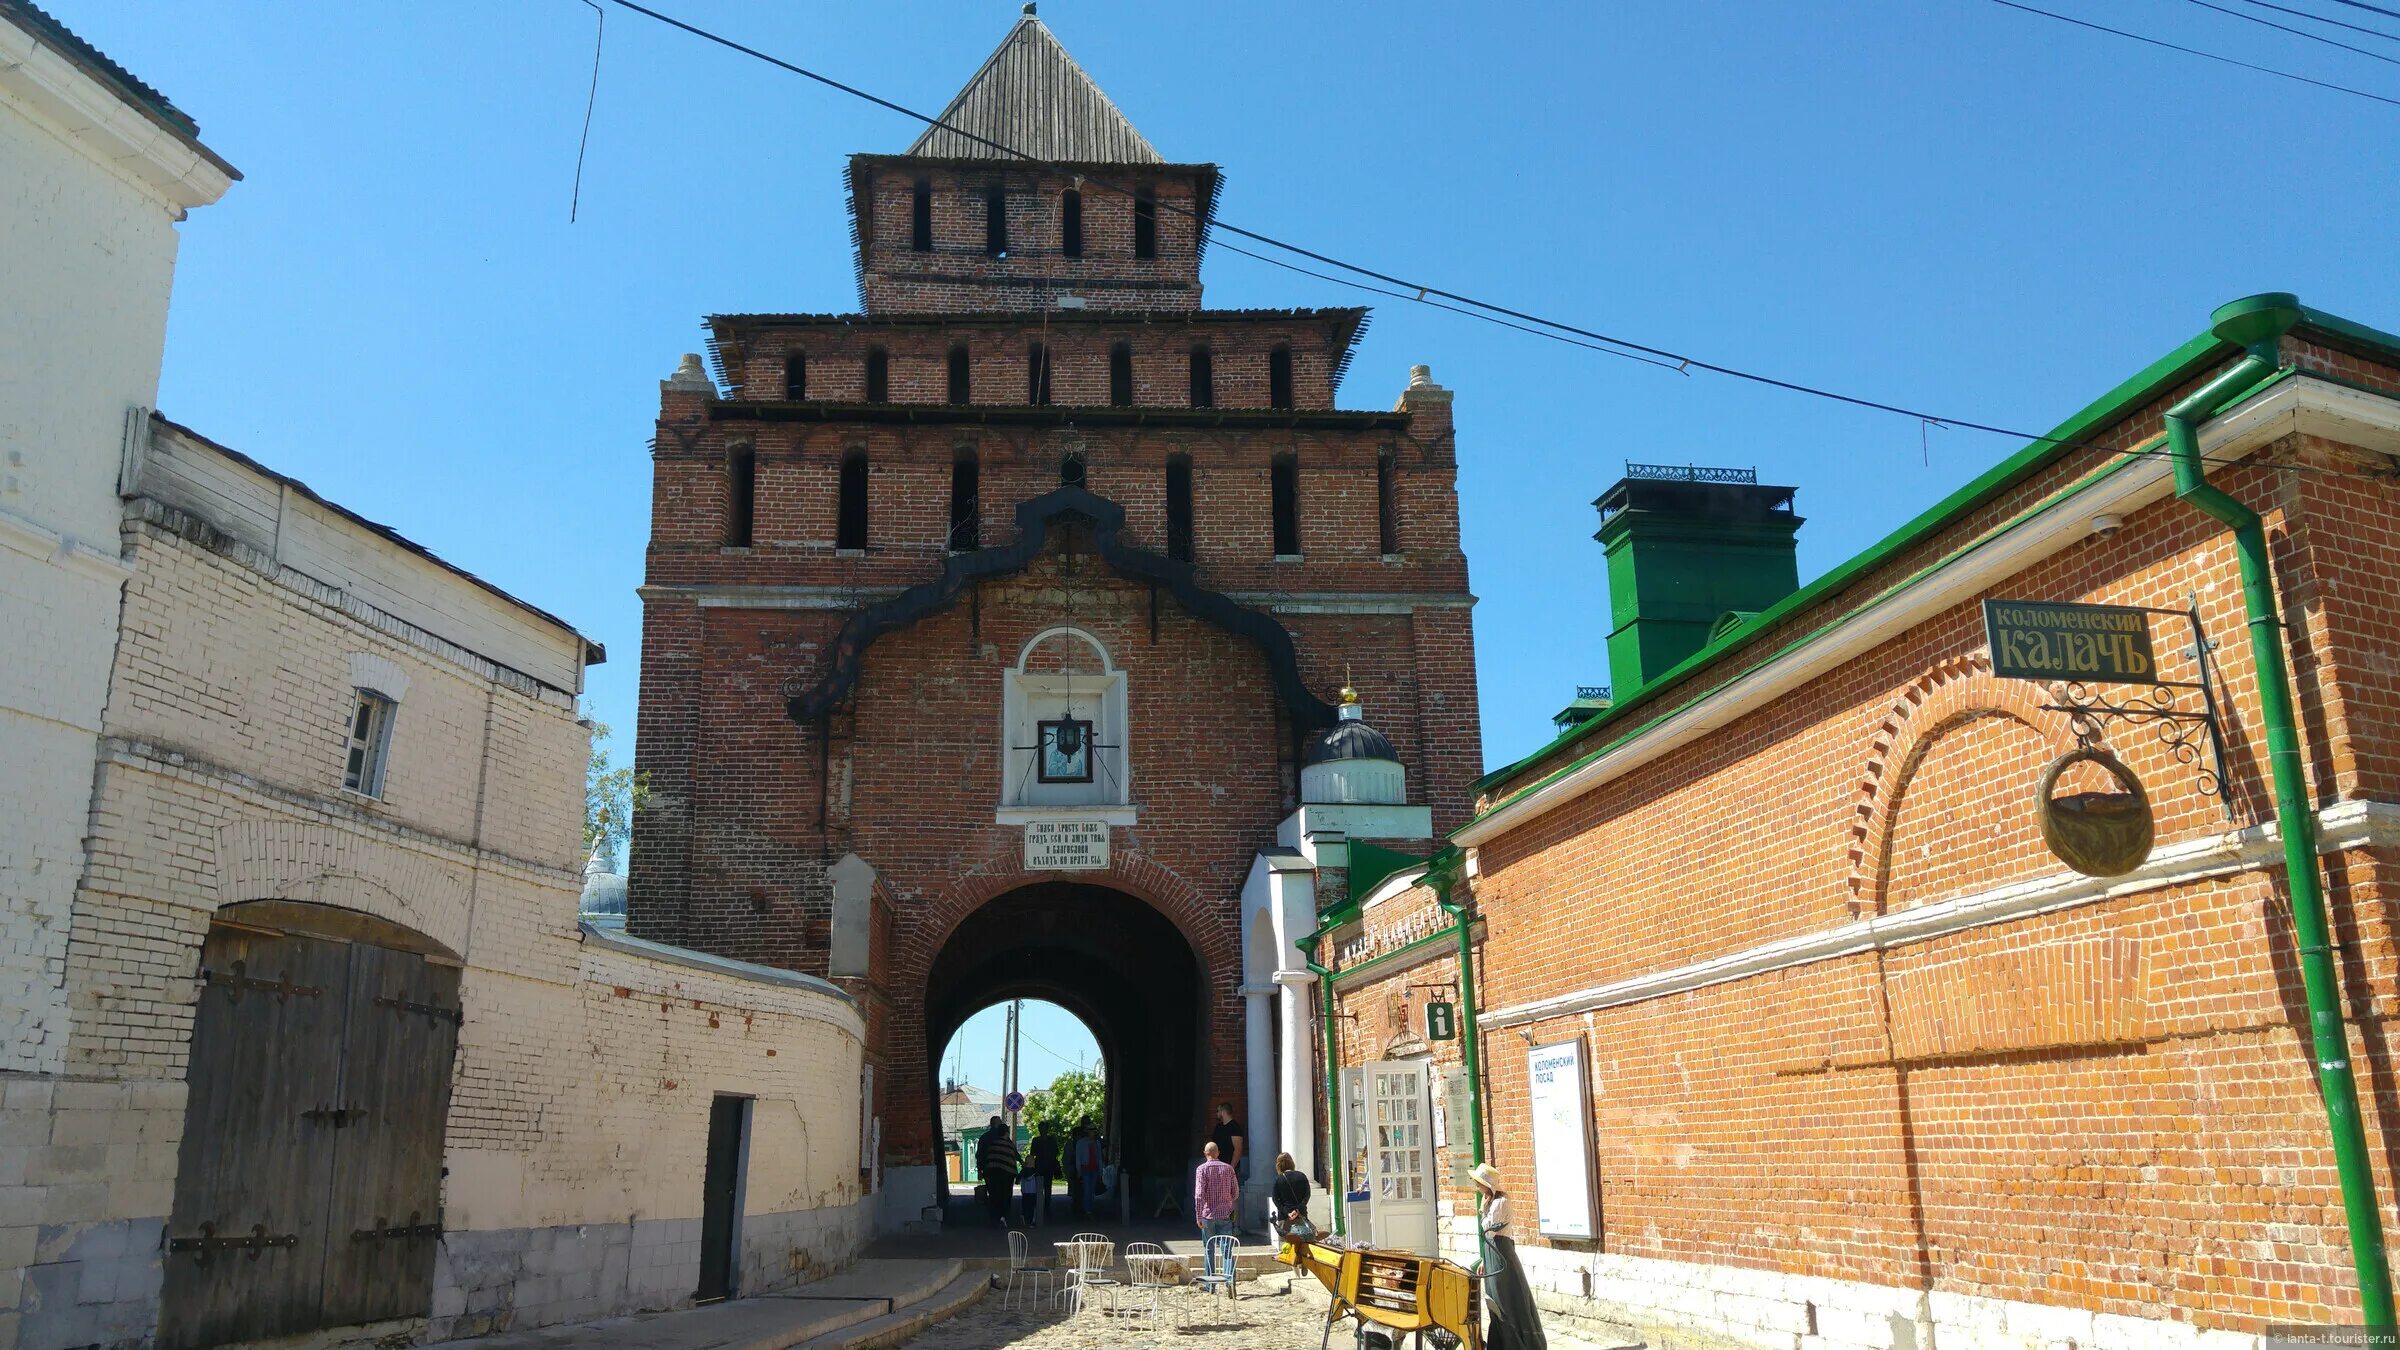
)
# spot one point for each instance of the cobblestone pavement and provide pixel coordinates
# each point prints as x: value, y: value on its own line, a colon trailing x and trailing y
x: 1263, y: 1318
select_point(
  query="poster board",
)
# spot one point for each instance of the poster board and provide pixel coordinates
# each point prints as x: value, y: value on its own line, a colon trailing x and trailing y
x: 1560, y: 1078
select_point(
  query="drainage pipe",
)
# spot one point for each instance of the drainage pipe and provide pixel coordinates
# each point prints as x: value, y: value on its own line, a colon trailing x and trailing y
x: 2258, y: 324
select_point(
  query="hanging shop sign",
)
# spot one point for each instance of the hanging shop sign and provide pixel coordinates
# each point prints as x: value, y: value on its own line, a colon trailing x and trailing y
x: 2045, y: 640
x: 1441, y: 1021
x: 1562, y: 1140
x: 1066, y: 845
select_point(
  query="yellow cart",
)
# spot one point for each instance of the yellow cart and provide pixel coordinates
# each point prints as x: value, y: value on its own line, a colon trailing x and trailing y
x: 1396, y: 1289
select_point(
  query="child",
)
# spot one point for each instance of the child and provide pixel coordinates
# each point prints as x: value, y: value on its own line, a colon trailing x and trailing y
x: 1030, y: 1187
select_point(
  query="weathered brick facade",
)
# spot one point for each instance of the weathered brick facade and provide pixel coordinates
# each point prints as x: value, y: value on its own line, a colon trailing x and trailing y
x: 1227, y: 654
x: 1868, y: 1062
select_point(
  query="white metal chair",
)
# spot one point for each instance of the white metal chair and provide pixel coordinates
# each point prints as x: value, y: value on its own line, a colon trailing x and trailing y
x: 1217, y: 1252
x: 1094, y: 1255
x: 1150, y: 1272
x: 1021, y: 1269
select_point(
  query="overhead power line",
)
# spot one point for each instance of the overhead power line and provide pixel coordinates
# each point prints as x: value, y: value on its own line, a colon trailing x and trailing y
x: 2296, y: 32
x: 2321, y: 18
x: 1458, y: 303
x: 2188, y: 51
x: 2371, y: 9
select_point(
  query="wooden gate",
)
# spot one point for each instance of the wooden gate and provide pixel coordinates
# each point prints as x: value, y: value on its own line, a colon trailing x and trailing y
x: 308, y: 1191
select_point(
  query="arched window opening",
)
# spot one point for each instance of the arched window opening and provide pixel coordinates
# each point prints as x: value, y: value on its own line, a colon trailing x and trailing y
x: 1204, y: 378
x: 1145, y: 224
x: 850, y: 516
x: 1120, y: 375
x: 1179, y: 507
x: 1284, y: 485
x: 1279, y: 377
x: 1070, y: 223
x: 995, y: 220
x: 1387, y: 503
x: 879, y: 375
x: 1037, y: 374
x: 741, y: 496
x: 920, y: 217
x: 966, y: 476
x: 1065, y: 716
x: 795, y: 376
x: 960, y: 375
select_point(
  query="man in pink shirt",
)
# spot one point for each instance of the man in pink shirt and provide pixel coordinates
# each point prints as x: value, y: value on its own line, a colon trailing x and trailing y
x: 1213, y: 1188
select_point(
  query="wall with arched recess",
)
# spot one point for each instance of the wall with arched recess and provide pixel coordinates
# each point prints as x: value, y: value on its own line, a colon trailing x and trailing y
x: 1990, y: 738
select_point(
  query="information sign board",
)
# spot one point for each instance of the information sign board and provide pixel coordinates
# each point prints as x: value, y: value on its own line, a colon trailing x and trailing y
x: 1066, y: 845
x: 1562, y: 1140
x: 2045, y: 640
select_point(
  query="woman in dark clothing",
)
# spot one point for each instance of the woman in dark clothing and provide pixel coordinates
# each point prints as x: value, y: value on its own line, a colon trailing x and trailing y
x: 1290, y: 1200
x: 996, y: 1159
x: 1515, y: 1323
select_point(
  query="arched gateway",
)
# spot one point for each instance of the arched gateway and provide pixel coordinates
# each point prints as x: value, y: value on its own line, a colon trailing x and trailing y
x: 988, y: 646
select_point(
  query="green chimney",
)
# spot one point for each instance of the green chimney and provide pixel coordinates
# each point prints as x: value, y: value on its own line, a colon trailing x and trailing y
x: 1685, y: 547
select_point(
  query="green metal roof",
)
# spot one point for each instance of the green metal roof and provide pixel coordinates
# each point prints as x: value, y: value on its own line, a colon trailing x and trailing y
x: 2165, y: 373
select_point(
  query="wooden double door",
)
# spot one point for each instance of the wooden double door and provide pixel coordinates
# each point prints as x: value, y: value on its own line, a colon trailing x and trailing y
x: 308, y: 1193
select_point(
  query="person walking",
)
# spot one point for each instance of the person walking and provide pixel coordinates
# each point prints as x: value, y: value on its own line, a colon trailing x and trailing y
x: 996, y: 1159
x: 1085, y: 1182
x: 1045, y: 1166
x: 1287, y: 1204
x: 1516, y: 1325
x: 1213, y: 1194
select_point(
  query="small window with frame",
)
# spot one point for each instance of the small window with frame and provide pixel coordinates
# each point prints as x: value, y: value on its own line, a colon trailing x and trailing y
x: 1064, y: 750
x: 370, y: 744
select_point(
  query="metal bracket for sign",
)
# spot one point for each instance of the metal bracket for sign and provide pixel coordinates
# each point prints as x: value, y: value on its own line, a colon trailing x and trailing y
x: 2089, y: 710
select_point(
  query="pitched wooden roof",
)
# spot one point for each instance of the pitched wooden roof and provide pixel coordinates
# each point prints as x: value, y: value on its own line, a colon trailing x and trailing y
x: 1032, y: 97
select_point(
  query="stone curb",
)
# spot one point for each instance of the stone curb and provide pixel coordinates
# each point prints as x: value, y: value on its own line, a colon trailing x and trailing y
x: 898, y: 1325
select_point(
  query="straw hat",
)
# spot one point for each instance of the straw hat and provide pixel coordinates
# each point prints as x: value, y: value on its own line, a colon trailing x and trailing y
x: 1486, y: 1176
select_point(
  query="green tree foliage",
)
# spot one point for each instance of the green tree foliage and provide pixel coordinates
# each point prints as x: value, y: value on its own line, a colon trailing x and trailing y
x: 1073, y: 1099
x: 610, y: 796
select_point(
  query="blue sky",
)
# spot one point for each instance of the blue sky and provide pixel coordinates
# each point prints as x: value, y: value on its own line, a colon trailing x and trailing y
x: 1942, y: 203
x: 1052, y: 1041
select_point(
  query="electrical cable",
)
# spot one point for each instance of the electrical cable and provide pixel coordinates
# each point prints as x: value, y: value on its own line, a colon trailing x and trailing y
x: 2188, y: 51
x: 590, y: 99
x: 2296, y: 32
x: 1484, y: 309
x: 2321, y: 18
x: 2371, y: 9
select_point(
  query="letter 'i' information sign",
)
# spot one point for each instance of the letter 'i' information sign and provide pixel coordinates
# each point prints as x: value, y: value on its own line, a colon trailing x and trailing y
x: 2091, y: 644
x: 1562, y: 1139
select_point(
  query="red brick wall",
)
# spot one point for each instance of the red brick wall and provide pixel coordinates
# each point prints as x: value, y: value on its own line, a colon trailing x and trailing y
x: 958, y: 276
x: 2107, y: 1106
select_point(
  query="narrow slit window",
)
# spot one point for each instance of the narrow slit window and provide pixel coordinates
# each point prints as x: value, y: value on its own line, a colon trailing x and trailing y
x: 995, y: 221
x: 1070, y: 469
x: 795, y: 376
x: 1120, y: 375
x: 1179, y: 507
x: 920, y: 217
x: 1145, y: 224
x: 965, y: 515
x: 1279, y: 377
x: 1070, y: 223
x: 850, y: 520
x: 961, y: 390
x: 1037, y: 373
x: 1387, y: 503
x: 879, y: 375
x: 741, y: 497
x: 370, y: 743
x: 1204, y: 378
x: 1284, y: 485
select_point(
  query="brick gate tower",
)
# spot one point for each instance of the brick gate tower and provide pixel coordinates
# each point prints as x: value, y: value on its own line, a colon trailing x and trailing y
x: 992, y: 634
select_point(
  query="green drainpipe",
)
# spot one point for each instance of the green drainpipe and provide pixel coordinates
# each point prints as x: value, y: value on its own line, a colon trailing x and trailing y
x: 1335, y: 1161
x: 2257, y: 324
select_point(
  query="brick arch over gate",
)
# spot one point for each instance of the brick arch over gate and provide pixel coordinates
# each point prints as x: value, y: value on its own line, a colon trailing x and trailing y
x: 1211, y: 933
x: 1953, y: 693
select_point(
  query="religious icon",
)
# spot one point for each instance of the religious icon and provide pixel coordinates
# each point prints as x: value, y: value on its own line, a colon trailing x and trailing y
x: 1064, y: 754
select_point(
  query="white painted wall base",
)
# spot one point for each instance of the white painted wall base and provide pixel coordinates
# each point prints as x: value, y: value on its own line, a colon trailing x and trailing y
x: 1688, y: 1304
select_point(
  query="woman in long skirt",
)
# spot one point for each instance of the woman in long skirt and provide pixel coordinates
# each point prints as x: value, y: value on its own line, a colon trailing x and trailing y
x: 1515, y: 1323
